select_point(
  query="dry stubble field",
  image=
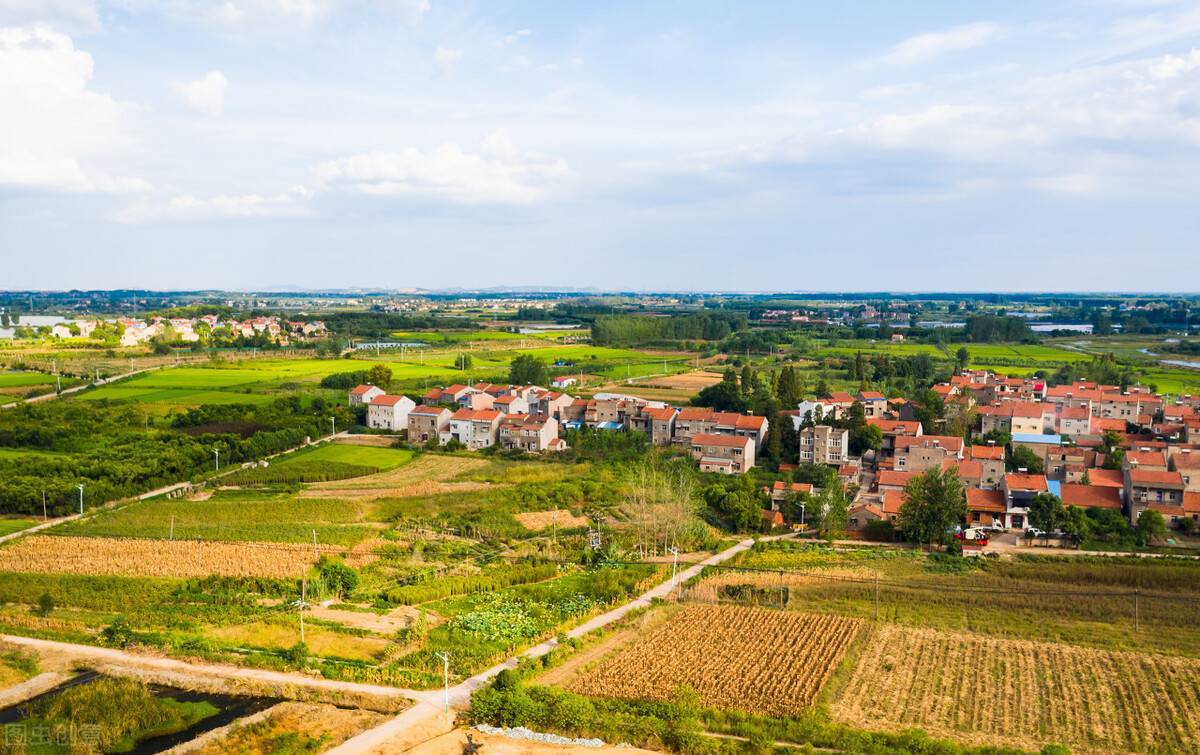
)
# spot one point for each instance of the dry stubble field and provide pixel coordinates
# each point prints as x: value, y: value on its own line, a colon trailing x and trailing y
x: 992, y: 690
x: 428, y: 474
x: 136, y: 557
x: 756, y: 660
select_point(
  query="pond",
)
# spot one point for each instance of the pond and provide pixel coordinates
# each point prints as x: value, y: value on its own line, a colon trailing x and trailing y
x: 49, y: 722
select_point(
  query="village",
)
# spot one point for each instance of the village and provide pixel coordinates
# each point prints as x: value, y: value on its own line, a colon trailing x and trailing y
x: 1092, y: 446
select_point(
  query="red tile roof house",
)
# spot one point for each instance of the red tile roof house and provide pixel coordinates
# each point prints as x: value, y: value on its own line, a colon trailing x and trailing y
x: 927, y: 451
x: 726, y: 454
x: 509, y: 404
x: 426, y: 423
x: 657, y: 422
x: 1092, y: 497
x: 474, y: 428
x: 874, y: 403
x: 389, y: 412
x: 362, y: 394
x: 781, y: 491
x: 529, y: 433
x: 1148, y: 489
x: 985, y: 507
x: 1019, y: 489
x: 1075, y: 420
x: 447, y: 395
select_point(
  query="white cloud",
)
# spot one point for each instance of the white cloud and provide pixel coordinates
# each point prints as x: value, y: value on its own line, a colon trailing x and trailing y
x: 447, y: 56
x: 255, y: 12
x: 1170, y: 66
x: 1072, y: 184
x: 517, y: 35
x: 73, y: 16
x: 925, y: 47
x: 206, y: 94
x: 53, y: 124
x: 291, y: 203
x: 498, y: 173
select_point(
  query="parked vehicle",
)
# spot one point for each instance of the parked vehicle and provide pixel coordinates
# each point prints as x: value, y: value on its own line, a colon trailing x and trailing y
x: 973, y: 536
x: 1035, y: 532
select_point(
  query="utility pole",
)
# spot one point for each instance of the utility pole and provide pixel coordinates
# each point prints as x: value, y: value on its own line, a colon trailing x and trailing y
x: 876, y: 595
x: 445, y: 681
x: 80, y: 486
x: 1136, y: 613
x: 302, y: 603
x: 172, y: 526
x: 217, y: 459
x: 44, y: 517
x: 333, y: 425
x: 674, y: 567
x: 315, y: 553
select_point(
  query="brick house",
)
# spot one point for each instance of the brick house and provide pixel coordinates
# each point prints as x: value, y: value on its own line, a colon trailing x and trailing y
x: 389, y: 412
x: 426, y: 423
x: 726, y: 454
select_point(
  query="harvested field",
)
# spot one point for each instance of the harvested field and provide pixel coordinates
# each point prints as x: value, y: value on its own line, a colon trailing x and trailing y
x: 387, y: 624
x: 378, y: 441
x: 732, y: 585
x: 694, y: 381
x: 287, y: 727
x: 536, y: 521
x: 134, y: 557
x: 426, y: 475
x: 998, y: 691
x: 755, y: 660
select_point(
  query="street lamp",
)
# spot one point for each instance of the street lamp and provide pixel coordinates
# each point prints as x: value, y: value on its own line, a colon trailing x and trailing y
x: 802, y: 514
x: 217, y: 459
x: 80, y: 486
x: 333, y: 424
x: 446, y: 680
x: 674, y: 565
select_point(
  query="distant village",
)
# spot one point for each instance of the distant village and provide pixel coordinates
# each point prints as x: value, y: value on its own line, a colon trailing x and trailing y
x: 1074, y: 432
x: 129, y: 332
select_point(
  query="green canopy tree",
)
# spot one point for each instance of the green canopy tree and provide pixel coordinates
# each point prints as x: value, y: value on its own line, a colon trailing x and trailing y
x: 1046, y: 512
x: 528, y: 369
x: 934, y: 503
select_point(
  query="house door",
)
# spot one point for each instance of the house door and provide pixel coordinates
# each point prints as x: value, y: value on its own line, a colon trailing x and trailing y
x: 1018, y: 521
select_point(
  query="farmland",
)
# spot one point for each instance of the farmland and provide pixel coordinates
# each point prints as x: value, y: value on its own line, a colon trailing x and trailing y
x: 748, y: 659
x: 1023, y: 693
x: 47, y: 554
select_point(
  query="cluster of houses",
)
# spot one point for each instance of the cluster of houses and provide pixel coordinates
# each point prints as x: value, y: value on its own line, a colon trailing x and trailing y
x: 135, y: 332
x: 534, y: 418
x: 1063, y: 426
x: 188, y: 330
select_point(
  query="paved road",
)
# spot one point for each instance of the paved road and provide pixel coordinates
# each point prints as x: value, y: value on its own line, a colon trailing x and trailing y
x: 460, y: 694
x: 78, y: 388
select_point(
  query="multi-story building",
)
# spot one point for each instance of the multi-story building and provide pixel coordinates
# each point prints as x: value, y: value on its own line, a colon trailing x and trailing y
x: 726, y: 454
x: 822, y: 444
x: 426, y: 423
x: 389, y: 412
x: 533, y: 433
x: 362, y: 394
x: 474, y: 428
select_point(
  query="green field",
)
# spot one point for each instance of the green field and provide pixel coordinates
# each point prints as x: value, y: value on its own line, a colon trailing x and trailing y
x: 345, y: 453
x: 24, y: 379
x: 9, y: 526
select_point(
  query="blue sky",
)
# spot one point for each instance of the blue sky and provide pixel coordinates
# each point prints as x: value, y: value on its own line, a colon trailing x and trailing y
x: 650, y: 145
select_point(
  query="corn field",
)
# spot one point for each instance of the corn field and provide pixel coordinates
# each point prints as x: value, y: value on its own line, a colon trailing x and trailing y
x: 1023, y: 693
x: 755, y: 660
x: 134, y: 557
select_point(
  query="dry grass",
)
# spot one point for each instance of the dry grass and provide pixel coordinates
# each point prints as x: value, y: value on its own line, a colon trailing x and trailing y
x: 427, y: 475
x: 387, y: 624
x: 329, y: 725
x: 749, y: 659
x: 536, y: 521
x: 323, y: 642
x: 694, y: 381
x: 1023, y: 693
x: 711, y: 588
x: 134, y: 557
x: 377, y: 441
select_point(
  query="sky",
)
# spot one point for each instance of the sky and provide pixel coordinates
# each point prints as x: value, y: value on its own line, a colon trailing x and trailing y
x: 755, y: 146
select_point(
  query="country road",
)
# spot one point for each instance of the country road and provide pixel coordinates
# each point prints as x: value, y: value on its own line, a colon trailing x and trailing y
x: 84, y: 387
x: 429, y: 703
x: 460, y: 695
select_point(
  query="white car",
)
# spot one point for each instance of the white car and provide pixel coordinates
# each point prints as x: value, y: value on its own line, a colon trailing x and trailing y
x: 1034, y: 532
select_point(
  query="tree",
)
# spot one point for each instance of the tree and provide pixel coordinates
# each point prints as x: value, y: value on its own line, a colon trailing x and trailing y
x: 961, y: 357
x: 1151, y: 526
x: 463, y: 362
x: 1111, y: 446
x: 380, y: 376
x: 747, y: 380
x: 724, y: 396
x: 1046, y: 512
x: 832, y: 505
x: 118, y: 634
x: 1086, y: 479
x: 1075, y: 523
x: 528, y: 369
x: 45, y: 604
x: 788, y: 390
x: 1022, y: 458
x: 934, y: 503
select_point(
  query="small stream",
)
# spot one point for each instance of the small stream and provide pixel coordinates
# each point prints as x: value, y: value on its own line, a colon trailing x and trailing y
x: 230, y: 708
